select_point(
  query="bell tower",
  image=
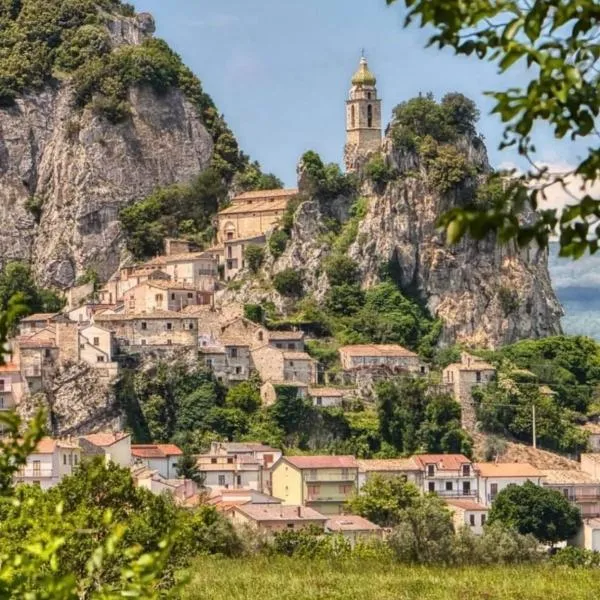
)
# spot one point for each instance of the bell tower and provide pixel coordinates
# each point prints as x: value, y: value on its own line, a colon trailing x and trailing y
x: 363, y: 116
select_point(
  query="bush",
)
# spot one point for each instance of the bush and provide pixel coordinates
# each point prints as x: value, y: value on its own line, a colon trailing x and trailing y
x: 277, y: 243
x: 288, y: 282
x: 378, y: 171
x: 341, y: 270
x: 35, y: 205
x: 576, y: 558
x: 326, y: 182
x: 254, y: 256
x: 254, y: 312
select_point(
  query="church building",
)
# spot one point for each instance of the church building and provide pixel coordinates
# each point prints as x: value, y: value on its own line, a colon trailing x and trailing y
x: 363, y: 117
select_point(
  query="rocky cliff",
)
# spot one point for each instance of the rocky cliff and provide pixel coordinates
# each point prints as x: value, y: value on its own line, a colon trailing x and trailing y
x: 486, y: 293
x: 79, y: 169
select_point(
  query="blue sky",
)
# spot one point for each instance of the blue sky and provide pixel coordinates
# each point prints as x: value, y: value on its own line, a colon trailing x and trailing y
x: 280, y: 71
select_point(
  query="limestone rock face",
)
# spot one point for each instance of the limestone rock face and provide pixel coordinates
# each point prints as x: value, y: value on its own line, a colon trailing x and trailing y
x: 82, y: 170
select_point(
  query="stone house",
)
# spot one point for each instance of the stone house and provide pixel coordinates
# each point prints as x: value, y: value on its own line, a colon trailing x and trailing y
x: 405, y: 468
x: 324, y: 483
x: 161, y: 458
x: 35, y: 323
x: 326, y: 397
x: 36, y: 356
x: 287, y: 340
x: 271, y: 518
x: 461, y: 378
x: 115, y: 447
x: 252, y: 213
x: 579, y: 487
x: 84, y: 313
x: 49, y: 463
x: 151, y: 296
x: 468, y: 513
x: 268, y: 390
x: 448, y: 475
x: 159, y: 329
x: 392, y: 356
x: 97, y: 346
x: 234, y: 253
x: 283, y: 366
x: 230, y: 360
x: 11, y: 386
x: 197, y: 269
x: 492, y: 478
x: 244, y: 330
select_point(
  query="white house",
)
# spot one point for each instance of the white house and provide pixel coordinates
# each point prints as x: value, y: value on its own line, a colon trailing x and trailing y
x: 589, y: 535
x: 231, y: 472
x: 448, y: 475
x: 115, y: 446
x: 49, y: 463
x: 494, y: 477
x: 157, y: 457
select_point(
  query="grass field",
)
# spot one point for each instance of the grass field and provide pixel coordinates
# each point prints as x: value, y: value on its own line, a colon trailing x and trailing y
x: 298, y: 579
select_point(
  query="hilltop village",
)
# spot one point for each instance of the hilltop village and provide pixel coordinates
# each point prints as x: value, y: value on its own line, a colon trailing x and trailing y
x: 172, y: 305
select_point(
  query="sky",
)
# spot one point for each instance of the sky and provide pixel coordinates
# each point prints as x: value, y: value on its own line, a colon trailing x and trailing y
x: 280, y: 70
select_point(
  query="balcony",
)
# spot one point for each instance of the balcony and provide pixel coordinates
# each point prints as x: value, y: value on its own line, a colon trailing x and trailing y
x: 456, y: 493
x: 31, y: 473
x: 326, y: 478
x: 335, y: 498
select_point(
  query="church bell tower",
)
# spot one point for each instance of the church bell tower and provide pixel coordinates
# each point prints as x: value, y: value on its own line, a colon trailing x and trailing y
x: 363, y: 117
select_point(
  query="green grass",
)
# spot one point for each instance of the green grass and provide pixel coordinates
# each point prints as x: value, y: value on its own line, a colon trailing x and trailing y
x: 304, y: 579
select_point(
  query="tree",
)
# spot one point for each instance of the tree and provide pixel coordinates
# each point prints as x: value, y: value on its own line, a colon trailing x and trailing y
x: 288, y: 282
x: 254, y: 256
x: 424, y: 533
x: 254, y: 312
x: 245, y: 396
x: 540, y: 511
x: 382, y: 500
x: 557, y: 40
x: 277, y: 242
x: 187, y: 467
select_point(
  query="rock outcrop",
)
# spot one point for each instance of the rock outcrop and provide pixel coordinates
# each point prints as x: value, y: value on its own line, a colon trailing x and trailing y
x: 81, y: 170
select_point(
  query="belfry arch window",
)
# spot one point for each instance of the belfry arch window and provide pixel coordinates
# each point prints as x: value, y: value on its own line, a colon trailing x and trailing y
x: 370, y: 115
x: 353, y: 116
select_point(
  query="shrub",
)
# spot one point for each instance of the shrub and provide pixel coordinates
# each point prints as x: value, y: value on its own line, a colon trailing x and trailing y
x: 509, y: 300
x: 341, y: 270
x: 447, y: 167
x: 254, y: 256
x: 326, y: 182
x: 35, y: 205
x: 288, y: 282
x: 254, y: 312
x: 277, y: 243
x: 576, y: 558
x: 378, y: 171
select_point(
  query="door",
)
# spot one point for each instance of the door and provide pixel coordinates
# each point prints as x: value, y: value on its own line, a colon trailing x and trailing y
x: 493, y: 491
x: 466, y: 487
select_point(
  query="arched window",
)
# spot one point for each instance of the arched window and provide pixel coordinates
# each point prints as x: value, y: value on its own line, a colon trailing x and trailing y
x: 369, y: 115
x: 369, y: 95
x: 352, y: 116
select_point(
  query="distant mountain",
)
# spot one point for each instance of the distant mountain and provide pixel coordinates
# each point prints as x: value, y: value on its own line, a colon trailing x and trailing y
x: 577, y: 285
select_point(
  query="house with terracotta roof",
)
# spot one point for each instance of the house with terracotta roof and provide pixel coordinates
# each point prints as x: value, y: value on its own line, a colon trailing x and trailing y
x: 114, y: 446
x: 36, y: 322
x: 271, y: 518
x: 52, y: 460
x: 252, y: 213
x: 392, y: 356
x: 448, y: 475
x: 354, y: 528
x: 579, y: 487
x: 493, y: 477
x: 405, y: 468
x: 461, y: 378
x: 324, y: 483
x: 468, y: 513
x: 157, y: 457
x: 273, y: 364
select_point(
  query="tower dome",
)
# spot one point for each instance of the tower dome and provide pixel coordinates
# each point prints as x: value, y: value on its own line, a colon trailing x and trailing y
x: 363, y: 76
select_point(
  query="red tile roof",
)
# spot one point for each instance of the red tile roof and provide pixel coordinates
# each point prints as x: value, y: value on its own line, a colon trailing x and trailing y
x: 9, y: 368
x: 278, y: 512
x: 507, y: 470
x: 387, y: 465
x: 468, y: 505
x: 266, y: 194
x: 350, y: 523
x: 444, y: 462
x: 390, y: 350
x: 155, y: 450
x: 105, y: 439
x: 323, y: 462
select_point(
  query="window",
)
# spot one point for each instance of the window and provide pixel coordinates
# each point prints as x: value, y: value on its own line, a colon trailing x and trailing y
x: 345, y: 489
x: 313, y: 491
x: 287, y: 491
x: 238, y: 370
x: 430, y: 470
x: 37, y: 468
x: 143, y: 342
x: 370, y: 115
x: 448, y: 486
x: 291, y: 363
x: 422, y: 370
x: 190, y: 295
x: 1, y: 385
x: 353, y: 116
x: 431, y: 486
x: 221, y: 479
x: 230, y: 235
x: 466, y: 470
x: 158, y: 298
x: 169, y: 326
x: 47, y: 352
x: 64, y: 459
x: 172, y: 296
x: 478, y: 376
x: 169, y: 342
x: 209, y: 362
x: 278, y: 345
x: 144, y: 325
x: 482, y: 520
x: 312, y: 474
x: 75, y: 459
x: 267, y: 458
x: 472, y: 520
x: 213, y: 461
x: 191, y: 326
x: 100, y: 359
x: 260, y: 336
x: 229, y: 252
x: 466, y: 488
x: 345, y: 474
x: 369, y: 95
x: 70, y: 459
x: 229, y: 460
x: 566, y: 492
x: 233, y: 353
x: 82, y: 346
x: 493, y: 490
x: 96, y: 341
x: 290, y: 526
x: 319, y: 401
x: 239, y: 479
x: 291, y: 346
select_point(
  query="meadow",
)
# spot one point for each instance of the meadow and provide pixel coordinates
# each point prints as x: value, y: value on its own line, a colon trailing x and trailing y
x: 282, y: 578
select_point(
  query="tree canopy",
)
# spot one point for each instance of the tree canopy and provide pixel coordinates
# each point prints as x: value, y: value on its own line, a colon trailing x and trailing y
x: 557, y: 41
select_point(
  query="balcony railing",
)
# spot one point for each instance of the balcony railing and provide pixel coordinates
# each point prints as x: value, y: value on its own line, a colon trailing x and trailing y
x: 337, y: 498
x: 323, y: 478
x: 456, y: 493
x: 30, y: 473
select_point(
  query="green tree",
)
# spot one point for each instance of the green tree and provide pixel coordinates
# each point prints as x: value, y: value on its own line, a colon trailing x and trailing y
x: 254, y: 312
x: 245, y: 396
x: 277, y: 242
x: 532, y: 509
x: 382, y: 500
x: 254, y: 255
x: 557, y: 40
x: 288, y: 282
x: 187, y: 467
